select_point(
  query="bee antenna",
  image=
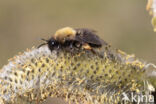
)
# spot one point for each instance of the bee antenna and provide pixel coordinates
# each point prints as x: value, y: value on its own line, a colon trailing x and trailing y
x: 41, y: 45
x: 44, y: 39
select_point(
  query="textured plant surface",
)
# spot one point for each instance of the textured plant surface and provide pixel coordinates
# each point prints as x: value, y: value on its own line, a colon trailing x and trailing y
x: 79, y: 76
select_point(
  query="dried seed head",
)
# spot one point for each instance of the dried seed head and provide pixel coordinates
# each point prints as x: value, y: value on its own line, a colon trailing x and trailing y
x: 82, y: 77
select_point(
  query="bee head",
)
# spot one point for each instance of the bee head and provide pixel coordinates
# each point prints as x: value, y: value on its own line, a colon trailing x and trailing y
x: 66, y: 33
x: 52, y: 43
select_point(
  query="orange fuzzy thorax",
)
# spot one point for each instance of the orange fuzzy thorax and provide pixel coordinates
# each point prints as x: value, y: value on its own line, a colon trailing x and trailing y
x: 64, y: 33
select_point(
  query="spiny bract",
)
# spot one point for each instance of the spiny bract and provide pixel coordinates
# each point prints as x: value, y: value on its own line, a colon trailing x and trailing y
x: 79, y: 76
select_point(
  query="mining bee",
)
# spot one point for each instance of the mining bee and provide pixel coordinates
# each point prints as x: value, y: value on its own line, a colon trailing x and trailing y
x: 74, y: 38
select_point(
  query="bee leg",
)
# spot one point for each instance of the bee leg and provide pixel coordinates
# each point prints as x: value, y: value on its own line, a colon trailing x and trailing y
x: 71, y: 45
x: 72, y: 49
x: 57, y: 47
x: 97, y: 53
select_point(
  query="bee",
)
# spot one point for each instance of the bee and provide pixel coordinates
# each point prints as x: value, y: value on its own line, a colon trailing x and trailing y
x: 74, y: 38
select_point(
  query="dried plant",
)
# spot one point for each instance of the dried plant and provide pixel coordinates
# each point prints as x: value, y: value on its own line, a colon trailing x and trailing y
x: 81, y: 76
x: 151, y: 7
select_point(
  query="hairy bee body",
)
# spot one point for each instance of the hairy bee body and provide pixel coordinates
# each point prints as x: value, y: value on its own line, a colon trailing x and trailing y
x: 67, y: 36
x: 64, y: 34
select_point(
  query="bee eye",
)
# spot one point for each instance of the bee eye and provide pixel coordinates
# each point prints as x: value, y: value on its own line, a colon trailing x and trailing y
x: 52, y: 42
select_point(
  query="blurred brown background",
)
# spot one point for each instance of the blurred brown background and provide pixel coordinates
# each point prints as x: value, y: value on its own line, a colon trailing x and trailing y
x: 123, y: 23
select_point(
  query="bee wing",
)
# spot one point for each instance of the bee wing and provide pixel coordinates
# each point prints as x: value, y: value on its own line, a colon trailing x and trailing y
x: 88, y: 36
